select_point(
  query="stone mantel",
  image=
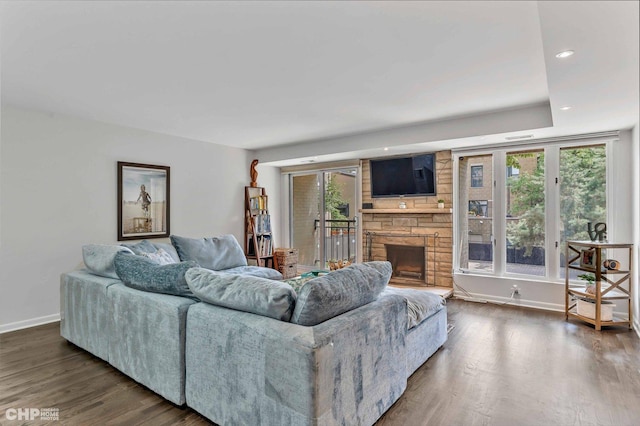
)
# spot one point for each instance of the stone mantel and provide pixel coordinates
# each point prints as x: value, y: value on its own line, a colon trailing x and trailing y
x: 406, y: 211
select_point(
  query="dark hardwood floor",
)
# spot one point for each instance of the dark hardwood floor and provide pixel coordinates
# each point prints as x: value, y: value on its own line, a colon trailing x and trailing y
x: 500, y: 366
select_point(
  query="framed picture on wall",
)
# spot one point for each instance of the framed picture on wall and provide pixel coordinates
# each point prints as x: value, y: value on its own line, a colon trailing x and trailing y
x: 143, y: 201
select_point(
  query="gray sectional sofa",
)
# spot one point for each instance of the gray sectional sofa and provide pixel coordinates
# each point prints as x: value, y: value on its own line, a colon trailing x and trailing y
x: 244, y: 349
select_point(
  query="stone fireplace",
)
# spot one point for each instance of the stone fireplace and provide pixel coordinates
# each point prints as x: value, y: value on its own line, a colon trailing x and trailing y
x: 420, y: 235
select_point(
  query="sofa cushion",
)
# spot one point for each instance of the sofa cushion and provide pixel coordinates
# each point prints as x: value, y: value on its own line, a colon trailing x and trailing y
x: 340, y: 291
x: 99, y: 258
x: 216, y: 253
x: 255, y: 271
x: 144, y: 274
x: 245, y: 293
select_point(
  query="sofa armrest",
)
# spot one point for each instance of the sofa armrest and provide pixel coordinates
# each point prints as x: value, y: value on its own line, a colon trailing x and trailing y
x: 242, y: 368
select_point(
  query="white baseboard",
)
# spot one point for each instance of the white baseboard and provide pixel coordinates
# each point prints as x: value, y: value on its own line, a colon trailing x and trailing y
x: 476, y: 297
x: 13, y: 326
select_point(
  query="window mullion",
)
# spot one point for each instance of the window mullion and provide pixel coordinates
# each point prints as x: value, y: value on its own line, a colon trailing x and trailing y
x: 552, y: 211
x: 499, y: 212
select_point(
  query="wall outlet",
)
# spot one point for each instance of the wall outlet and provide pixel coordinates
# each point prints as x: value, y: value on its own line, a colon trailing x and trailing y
x: 515, y: 290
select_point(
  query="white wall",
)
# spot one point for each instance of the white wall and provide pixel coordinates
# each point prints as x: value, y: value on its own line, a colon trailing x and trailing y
x: 550, y: 295
x: 58, y: 186
x: 636, y: 225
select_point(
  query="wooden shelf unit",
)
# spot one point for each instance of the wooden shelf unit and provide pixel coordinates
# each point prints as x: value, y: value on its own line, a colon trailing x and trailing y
x: 609, y: 284
x: 258, y: 239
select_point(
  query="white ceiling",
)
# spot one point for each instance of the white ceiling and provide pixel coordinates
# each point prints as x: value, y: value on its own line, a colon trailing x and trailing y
x: 257, y: 75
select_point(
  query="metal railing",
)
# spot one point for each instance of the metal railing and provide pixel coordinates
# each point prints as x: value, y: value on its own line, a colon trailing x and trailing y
x: 339, y: 239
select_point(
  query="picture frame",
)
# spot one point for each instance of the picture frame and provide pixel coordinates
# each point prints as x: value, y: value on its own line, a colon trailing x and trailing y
x: 588, y: 258
x: 143, y: 201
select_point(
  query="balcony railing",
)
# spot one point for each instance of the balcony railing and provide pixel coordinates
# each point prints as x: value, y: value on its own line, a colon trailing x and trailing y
x: 339, y: 239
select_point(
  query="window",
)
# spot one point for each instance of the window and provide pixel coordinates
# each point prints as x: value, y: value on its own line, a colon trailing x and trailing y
x: 539, y: 198
x: 476, y: 176
x: 476, y: 253
x: 478, y: 207
x: 583, y: 198
x: 525, y: 226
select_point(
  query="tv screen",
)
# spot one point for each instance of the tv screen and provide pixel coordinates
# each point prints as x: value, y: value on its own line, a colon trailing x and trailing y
x: 405, y: 176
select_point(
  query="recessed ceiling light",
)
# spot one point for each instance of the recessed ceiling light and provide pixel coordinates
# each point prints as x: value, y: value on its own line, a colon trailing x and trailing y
x: 386, y: 149
x: 565, y: 108
x: 564, y: 54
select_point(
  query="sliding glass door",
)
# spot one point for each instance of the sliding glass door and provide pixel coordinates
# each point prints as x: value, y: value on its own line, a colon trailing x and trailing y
x: 323, y: 213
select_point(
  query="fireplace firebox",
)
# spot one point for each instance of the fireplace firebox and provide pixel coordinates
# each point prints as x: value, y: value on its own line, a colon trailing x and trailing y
x: 408, y: 262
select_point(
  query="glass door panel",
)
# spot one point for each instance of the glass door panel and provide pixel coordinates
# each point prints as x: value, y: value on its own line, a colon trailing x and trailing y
x: 304, y: 216
x: 323, y: 215
x: 340, y: 192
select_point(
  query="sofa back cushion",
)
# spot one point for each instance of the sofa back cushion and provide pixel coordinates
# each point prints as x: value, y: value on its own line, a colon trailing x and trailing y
x: 245, y: 293
x: 99, y: 259
x: 144, y: 274
x: 216, y: 253
x: 340, y: 291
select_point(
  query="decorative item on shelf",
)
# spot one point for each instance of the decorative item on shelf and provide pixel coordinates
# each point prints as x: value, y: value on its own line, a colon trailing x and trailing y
x: 611, y: 264
x: 338, y: 264
x: 402, y: 205
x: 254, y: 174
x: 587, y: 308
x: 441, y: 204
x: 590, y: 279
x: 588, y: 258
x: 597, y: 232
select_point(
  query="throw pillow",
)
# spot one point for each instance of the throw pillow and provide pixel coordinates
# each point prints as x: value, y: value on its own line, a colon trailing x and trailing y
x: 141, y: 247
x: 169, y: 249
x: 99, y: 258
x: 340, y: 291
x: 144, y: 274
x: 245, y: 293
x: 215, y: 253
x: 160, y: 257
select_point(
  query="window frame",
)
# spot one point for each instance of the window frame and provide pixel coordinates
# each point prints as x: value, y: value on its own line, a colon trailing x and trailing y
x: 552, y: 203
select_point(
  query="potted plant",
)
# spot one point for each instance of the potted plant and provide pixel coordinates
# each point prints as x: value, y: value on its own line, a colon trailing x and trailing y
x: 441, y: 203
x: 590, y: 279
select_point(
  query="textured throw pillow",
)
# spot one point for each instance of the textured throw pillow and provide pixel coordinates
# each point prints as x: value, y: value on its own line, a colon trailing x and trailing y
x: 215, y: 253
x: 245, y: 293
x: 169, y: 249
x: 160, y: 257
x: 144, y: 274
x: 142, y: 247
x: 340, y: 291
x: 98, y: 259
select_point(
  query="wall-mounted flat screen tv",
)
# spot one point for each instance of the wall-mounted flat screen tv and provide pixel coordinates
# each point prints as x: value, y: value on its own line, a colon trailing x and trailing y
x: 403, y: 176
